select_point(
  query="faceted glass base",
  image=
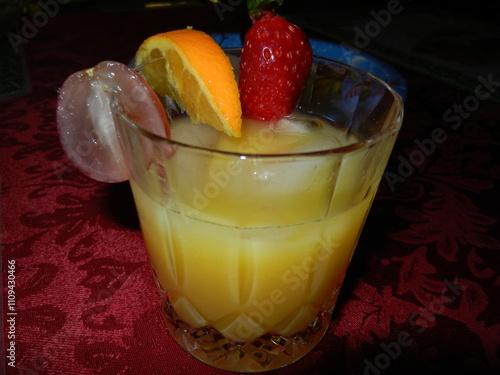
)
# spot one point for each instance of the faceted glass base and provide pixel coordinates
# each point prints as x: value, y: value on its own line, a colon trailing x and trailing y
x: 265, y: 353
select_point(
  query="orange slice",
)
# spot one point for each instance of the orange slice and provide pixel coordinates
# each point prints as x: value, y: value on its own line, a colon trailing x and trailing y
x: 197, y: 74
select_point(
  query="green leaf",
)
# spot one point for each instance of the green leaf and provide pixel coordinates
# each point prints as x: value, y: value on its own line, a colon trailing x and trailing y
x: 256, y: 7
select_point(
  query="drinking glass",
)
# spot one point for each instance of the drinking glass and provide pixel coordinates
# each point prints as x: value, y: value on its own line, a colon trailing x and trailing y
x: 249, y: 250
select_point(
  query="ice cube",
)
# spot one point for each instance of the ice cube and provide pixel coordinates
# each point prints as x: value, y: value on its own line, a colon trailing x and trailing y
x: 200, y: 135
x: 311, y: 134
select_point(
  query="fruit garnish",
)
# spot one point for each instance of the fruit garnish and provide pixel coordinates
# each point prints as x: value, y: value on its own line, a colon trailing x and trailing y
x: 196, y: 74
x: 85, y: 121
x: 274, y: 65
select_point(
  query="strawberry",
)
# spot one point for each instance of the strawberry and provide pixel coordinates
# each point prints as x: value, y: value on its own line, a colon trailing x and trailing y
x: 274, y: 66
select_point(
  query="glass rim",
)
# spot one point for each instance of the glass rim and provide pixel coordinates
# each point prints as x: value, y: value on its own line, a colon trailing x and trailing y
x: 396, y: 109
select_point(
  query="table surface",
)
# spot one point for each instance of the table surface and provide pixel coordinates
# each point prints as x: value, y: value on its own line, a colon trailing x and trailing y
x: 421, y: 295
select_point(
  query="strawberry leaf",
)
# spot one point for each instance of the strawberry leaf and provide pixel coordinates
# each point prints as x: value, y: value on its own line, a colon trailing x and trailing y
x: 257, y: 7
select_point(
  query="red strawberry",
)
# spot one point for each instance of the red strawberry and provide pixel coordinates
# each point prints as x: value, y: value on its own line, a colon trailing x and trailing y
x: 274, y: 65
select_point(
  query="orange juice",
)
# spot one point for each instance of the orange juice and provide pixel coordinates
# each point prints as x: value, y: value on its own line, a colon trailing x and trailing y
x: 250, y: 246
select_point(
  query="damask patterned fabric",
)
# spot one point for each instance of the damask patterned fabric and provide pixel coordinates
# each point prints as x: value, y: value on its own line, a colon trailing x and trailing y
x: 421, y: 295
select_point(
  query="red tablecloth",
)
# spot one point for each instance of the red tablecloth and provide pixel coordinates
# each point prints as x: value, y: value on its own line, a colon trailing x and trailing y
x: 421, y: 296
